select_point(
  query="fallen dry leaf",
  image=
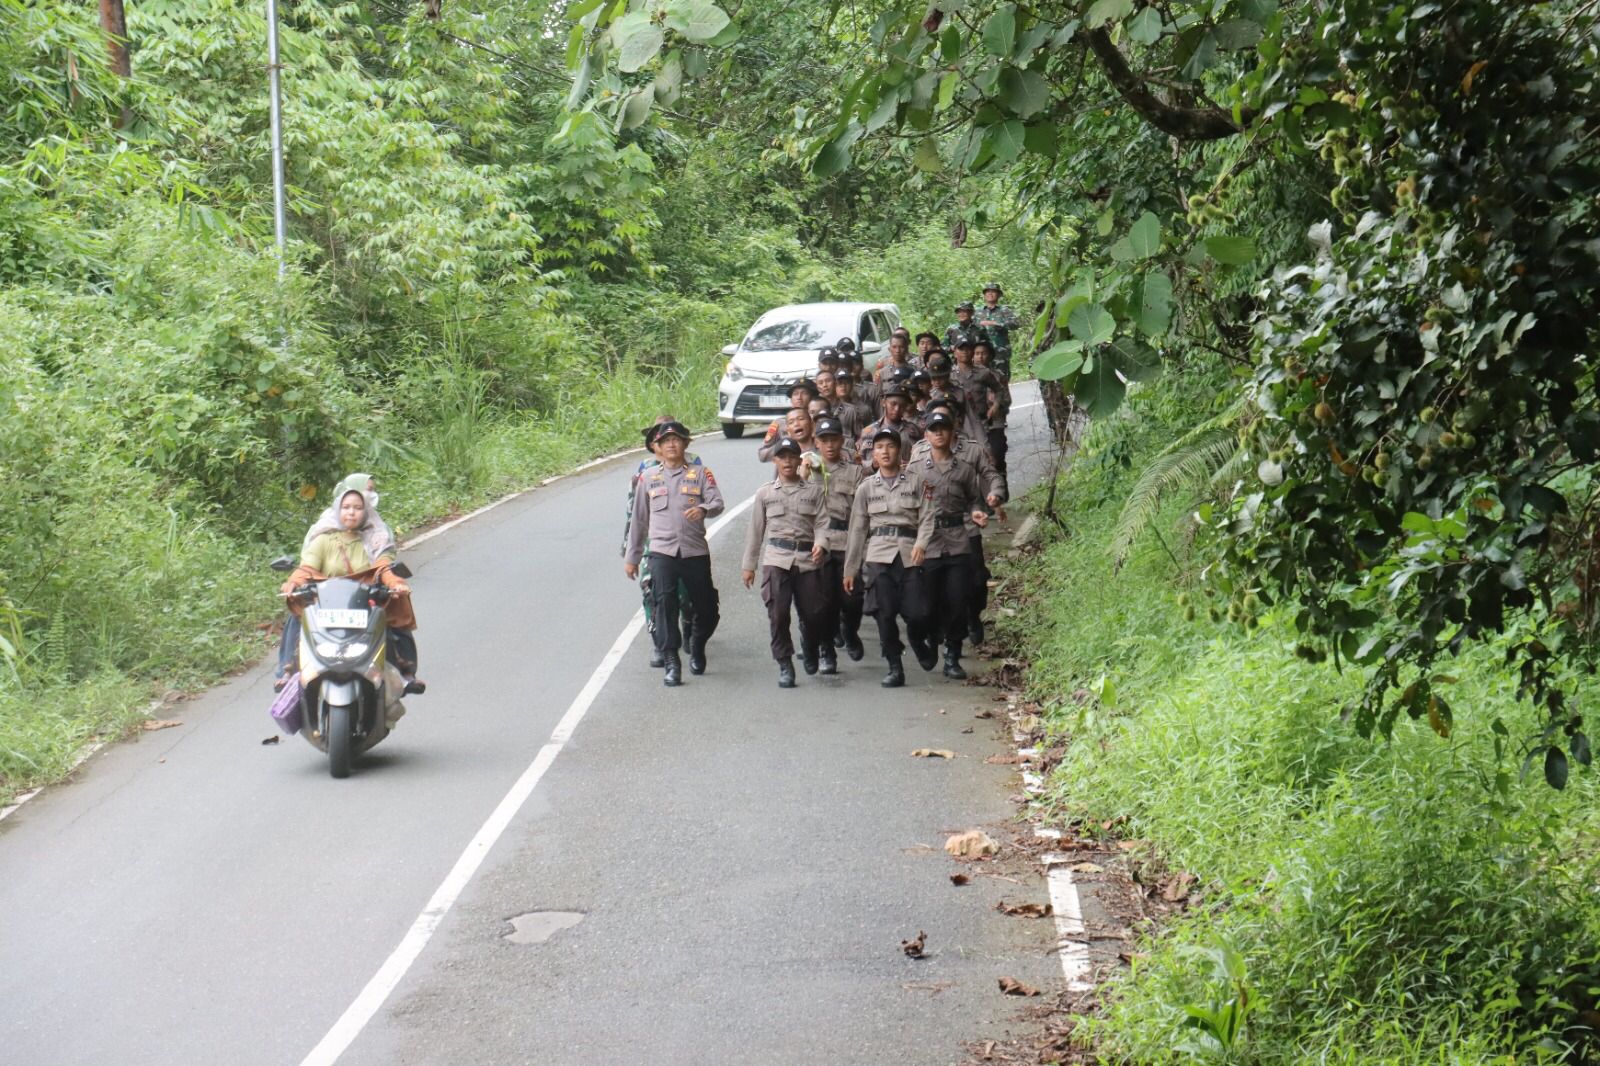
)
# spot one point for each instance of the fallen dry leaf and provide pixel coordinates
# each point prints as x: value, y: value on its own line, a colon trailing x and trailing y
x: 972, y: 844
x: 150, y: 725
x: 913, y: 948
x: 1024, y: 910
x: 1087, y: 868
x: 1004, y: 760
x: 271, y: 740
x: 984, y: 714
x: 1131, y: 845
x: 933, y: 753
x: 1013, y: 987
x: 1177, y: 889
x: 959, y: 879
x: 967, y: 730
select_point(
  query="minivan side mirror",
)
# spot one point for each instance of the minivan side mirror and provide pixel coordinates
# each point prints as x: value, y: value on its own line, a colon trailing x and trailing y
x: 868, y: 347
x: 729, y: 349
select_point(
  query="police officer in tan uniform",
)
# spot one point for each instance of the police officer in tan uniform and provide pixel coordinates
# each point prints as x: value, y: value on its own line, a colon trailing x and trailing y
x: 841, y: 476
x: 788, y: 525
x: 891, y: 525
x: 995, y: 493
x: 670, y: 508
x: 896, y: 408
x: 954, y: 490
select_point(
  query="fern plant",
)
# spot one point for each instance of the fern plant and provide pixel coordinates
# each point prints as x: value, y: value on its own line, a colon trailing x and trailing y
x: 1207, y: 458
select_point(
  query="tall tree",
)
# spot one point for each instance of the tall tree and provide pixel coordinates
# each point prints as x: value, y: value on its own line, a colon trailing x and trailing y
x: 114, y: 21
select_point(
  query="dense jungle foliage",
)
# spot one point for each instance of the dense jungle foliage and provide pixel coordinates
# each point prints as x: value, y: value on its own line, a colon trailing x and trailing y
x: 481, y: 291
x: 1325, y: 274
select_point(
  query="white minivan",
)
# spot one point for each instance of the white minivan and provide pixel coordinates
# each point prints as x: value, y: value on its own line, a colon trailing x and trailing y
x: 782, y: 347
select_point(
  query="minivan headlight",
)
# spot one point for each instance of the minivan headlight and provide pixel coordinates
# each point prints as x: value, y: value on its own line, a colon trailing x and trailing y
x: 733, y: 371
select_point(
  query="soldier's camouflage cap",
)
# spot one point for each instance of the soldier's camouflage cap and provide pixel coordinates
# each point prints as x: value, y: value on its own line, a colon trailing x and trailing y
x: 965, y: 305
x: 993, y: 286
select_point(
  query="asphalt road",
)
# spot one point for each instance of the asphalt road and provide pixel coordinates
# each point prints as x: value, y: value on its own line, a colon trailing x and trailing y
x: 741, y: 862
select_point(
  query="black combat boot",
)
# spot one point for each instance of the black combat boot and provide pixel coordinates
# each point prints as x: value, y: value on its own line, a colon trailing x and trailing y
x: 786, y: 673
x: 838, y: 639
x: 853, y: 648
x: 808, y: 659
x: 952, y: 663
x: 657, y: 659
x: 927, y: 655
x: 830, y: 661
x: 896, y: 675
x: 975, y: 631
x: 674, y: 673
x: 697, y: 657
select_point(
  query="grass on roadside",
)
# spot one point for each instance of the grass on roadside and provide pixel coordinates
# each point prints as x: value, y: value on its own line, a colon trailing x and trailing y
x: 1409, y: 902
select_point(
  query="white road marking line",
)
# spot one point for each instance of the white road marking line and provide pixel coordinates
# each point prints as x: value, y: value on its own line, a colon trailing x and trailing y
x: 1072, y: 936
x: 389, y: 975
x: 1030, y: 403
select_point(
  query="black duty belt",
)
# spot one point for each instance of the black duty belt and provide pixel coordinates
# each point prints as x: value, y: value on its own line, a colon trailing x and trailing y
x: 949, y: 521
x: 840, y: 524
x: 790, y: 545
x: 894, y: 531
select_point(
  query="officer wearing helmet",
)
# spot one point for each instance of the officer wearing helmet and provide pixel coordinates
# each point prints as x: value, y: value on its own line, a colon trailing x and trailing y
x: 964, y: 328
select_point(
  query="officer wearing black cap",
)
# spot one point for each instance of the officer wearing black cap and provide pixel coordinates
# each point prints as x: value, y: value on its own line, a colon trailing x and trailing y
x: 841, y: 476
x: 963, y: 327
x: 788, y: 528
x: 891, y: 524
x: 980, y: 389
x: 646, y: 584
x: 995, y: 493
x: 955, y: 494
x: 896, y: 411
x: 670, y: 508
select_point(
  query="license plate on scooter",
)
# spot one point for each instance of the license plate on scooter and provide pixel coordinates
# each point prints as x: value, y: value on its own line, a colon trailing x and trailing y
x: 342, y: 619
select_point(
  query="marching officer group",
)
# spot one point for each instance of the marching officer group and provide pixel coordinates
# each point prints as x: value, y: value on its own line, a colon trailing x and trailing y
x: 882, y: 486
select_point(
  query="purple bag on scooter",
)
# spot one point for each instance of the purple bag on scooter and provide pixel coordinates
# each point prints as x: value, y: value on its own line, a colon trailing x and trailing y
x: 286, y: 708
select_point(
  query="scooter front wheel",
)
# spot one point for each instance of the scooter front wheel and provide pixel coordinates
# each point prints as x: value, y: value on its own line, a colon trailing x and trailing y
x: 341, y: 740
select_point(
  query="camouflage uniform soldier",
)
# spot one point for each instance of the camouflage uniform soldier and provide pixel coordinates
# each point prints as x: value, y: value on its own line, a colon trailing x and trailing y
x: 997, y: 321
x: 964, y: 328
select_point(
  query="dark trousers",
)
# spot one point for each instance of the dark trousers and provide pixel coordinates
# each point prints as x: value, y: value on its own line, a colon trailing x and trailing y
x: 979, y: 599
x: 693, y: 573
x: 844, y: 608
x: 803, y: 590
x: 949, y: 579
x: 897, y: 591
x: 997, y: 448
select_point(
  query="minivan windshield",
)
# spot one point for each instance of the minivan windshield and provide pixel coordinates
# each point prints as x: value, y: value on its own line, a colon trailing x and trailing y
x: 791, y: 333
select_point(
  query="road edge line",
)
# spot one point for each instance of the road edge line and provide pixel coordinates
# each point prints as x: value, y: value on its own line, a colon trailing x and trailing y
x: 376, y: 992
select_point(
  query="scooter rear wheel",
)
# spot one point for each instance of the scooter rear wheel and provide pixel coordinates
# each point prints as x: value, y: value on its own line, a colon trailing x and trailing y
x: 341, y: 740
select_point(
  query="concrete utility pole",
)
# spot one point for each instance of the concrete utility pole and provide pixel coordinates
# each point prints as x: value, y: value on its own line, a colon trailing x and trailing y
x: 274, y: 68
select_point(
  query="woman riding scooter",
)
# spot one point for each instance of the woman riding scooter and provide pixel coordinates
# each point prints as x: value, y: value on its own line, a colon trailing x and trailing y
x: 350, y: 540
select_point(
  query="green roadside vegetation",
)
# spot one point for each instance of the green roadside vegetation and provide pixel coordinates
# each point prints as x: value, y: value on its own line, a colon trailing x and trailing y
x: 479, y: 294
x: 1424, y: 899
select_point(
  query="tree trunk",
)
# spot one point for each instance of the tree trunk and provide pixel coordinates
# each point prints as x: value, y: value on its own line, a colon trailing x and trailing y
x: 114, y: 23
